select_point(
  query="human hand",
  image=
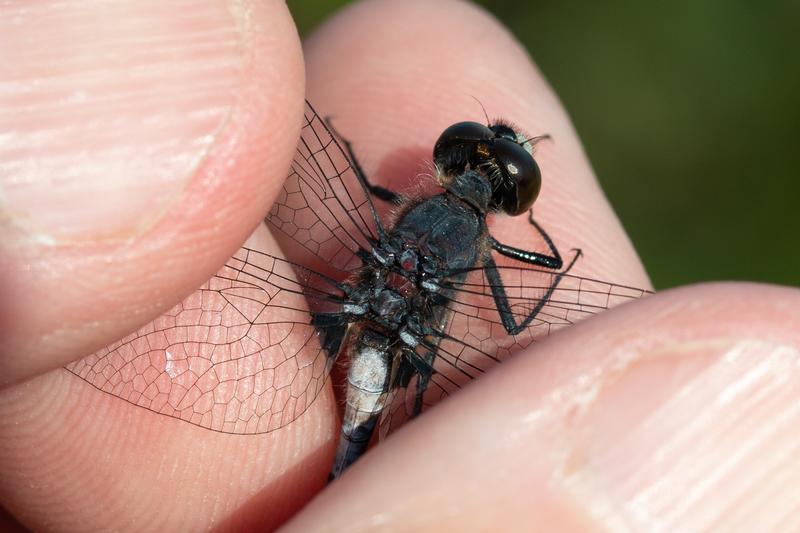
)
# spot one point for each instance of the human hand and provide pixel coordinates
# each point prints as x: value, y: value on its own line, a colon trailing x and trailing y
x: 610, y: 424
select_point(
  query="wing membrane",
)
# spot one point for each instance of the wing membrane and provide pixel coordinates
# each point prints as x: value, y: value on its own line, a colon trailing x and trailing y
x: 239, y: 355
x: 474, y: 339
x: 323, y: 208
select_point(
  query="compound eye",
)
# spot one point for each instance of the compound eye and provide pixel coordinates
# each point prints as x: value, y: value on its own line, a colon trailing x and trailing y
x: 465, y: 131
x: 523, y: 179
x: 456, y: 145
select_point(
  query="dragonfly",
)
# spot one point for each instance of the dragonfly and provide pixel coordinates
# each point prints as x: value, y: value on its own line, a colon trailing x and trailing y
x: 415, y: 304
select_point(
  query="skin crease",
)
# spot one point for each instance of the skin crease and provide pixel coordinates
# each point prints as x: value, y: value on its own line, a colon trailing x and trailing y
x: 563, y: 438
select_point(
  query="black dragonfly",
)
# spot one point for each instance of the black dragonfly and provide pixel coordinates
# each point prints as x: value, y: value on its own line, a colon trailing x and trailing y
x: 416, y: 305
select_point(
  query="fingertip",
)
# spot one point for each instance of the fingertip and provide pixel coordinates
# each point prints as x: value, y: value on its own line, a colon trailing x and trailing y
x: 148, y: 141
x: 675, y: 412
x: 694, y: 419
x: 73, y: 456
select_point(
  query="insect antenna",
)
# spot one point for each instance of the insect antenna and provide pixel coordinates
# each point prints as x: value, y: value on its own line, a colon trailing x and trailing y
x: 537, y: 138
x: 488, y: 122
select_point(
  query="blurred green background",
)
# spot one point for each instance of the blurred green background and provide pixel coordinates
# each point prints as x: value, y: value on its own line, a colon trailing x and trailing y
x: 690, y: 114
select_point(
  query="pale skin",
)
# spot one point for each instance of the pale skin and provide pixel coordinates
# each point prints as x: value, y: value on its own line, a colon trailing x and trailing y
x: 677, y: 412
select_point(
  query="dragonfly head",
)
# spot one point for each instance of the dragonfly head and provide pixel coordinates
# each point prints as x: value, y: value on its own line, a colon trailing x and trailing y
x: 499, y: 154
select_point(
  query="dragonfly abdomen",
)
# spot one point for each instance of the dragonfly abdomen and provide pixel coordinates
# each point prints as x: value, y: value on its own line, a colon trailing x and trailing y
x: 368, y: 380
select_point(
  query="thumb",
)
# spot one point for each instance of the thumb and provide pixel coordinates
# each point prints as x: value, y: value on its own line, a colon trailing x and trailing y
x: 677, y: 412
x: 141, y: 145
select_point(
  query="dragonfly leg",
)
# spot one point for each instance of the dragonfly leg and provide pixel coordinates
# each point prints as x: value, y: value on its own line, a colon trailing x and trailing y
x: 419, y: 392
x: 553, y: 261
x: 501, y: 298
x: 382, y: 193
x: 424, y: 368
x: 332, y: 328
x: 413, y: 364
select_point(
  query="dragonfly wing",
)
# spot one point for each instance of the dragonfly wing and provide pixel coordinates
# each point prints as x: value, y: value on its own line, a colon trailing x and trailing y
x: 323, y: 215
x: 239, y: 355
x: 474, y: 339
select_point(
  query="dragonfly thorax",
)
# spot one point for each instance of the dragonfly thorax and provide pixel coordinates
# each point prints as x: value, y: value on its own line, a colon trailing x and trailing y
x: 470, y: 187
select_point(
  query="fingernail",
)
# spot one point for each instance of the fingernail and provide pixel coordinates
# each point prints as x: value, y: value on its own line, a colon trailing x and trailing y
x: 705, y: 438
x: 108, y: 111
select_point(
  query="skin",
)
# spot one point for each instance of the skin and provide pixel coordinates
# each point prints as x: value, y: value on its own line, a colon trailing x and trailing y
x: 676, y: 412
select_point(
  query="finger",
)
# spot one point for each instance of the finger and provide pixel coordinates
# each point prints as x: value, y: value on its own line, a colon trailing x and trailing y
x: 676, y: 413
x: 72, y: 455
x: 395, y: 74
x: 87, y: 460
x: 144, y: 144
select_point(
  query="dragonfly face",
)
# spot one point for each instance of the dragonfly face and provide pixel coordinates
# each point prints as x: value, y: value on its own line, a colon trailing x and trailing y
x: 420, y: 307
x: 496, y: 152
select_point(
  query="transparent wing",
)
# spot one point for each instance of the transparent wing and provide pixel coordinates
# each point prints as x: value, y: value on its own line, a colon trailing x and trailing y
x: 474, y: 339
x: 323, y: 209
x: 239, y: 355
